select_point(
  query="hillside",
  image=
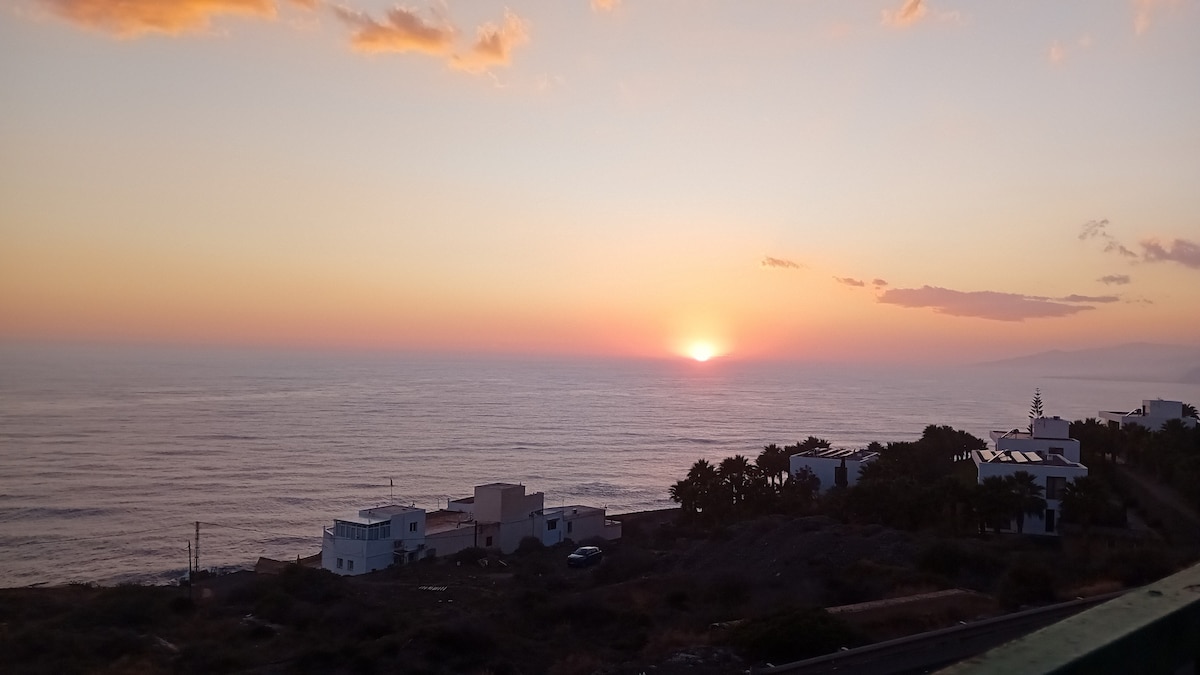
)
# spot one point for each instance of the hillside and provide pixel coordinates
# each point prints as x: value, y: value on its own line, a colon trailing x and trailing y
x: 1139, y: 361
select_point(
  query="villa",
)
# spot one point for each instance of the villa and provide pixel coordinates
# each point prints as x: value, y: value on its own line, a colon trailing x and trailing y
x: 832, y: 466
x: 1152, y: 415
x: 1047, y: 452
x: 497, y: 517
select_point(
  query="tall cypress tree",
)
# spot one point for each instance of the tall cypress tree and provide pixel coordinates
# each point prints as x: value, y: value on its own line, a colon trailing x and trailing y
x: 1035, y: 408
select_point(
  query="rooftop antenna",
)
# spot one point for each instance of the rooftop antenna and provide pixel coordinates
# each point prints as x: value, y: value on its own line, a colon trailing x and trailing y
x: 391, y: 491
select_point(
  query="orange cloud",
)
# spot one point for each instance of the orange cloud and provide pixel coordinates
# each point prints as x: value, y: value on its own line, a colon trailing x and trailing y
x: 493, y: 44
x: 605, y: 5
x: 130, y: 18
x: 402, y: 30
x: 1057, y: 53
x: 909, y: 13
x: 781, y: 263
x: 1143, y: 11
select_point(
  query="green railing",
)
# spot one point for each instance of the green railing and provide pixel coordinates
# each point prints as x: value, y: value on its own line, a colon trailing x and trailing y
x: 1154, y: 629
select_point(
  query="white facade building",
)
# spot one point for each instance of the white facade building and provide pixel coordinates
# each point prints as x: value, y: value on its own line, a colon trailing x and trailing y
x: 1051, y: 436
x: 1049, y: 454
x: 1153, y: 414
x: 374, y: 539
x: 498, y: 516
x: 830, y: 463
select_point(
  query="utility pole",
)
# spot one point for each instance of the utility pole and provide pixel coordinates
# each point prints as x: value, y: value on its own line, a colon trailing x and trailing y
x: 197, y: 549
x: 190, y: 571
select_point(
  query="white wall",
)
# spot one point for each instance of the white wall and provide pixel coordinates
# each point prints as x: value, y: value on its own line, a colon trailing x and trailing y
x: 1033, y: 524
x: 1069, y: 446
x: 824, y: 468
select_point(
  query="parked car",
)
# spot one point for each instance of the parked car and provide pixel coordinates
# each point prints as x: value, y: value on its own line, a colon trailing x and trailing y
x: 585, y: 556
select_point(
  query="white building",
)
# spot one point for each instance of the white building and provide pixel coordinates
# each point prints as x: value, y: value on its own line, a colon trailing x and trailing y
x: 374, y: 539
x: 1050, y: 436
x: 830, y: 463
x: 1049, y: 454
x: 498, y: 517
x: 1153, y: 415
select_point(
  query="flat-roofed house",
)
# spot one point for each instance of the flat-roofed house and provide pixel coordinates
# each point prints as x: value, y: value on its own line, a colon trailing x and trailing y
x: 1048, y: 453
x: 498, y: 516
x: 1153, y: 414
x: 373, y: 539
x: 832, y: 466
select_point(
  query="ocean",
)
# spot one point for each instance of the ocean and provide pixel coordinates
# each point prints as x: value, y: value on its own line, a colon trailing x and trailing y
x: 109, y: 456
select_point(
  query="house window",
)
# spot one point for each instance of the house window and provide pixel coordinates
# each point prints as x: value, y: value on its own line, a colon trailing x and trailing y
x: 385, y: 532
x: 487, y: 542
x: 570, y: 526
x: 1055, y: 486
x: 552, y: 524
x: 412, y: 527
x: 340, y: 563
x: 1049, y: 520
x: 350, y: 565
x: 1056, y: 451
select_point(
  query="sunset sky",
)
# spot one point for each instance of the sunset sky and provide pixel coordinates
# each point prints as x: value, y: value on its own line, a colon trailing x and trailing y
x: 821, y: 179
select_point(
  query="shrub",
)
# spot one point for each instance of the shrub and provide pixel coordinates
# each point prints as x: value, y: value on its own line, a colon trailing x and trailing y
x: 469, y: 555
x: 624, y: 567
x: 530, y: 545
x: 792, y: 635
x: 1028, y: 580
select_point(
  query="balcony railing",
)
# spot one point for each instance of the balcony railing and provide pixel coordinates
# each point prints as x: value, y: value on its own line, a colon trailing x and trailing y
x: 1154, y: 629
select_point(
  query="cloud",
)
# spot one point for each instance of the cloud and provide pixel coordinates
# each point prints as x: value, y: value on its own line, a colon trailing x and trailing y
x: 848, y: 281
x: 1182, y: 251
x: 982, y: 304
x: 494, y: 44
x: 879, y: 283
x: 131, y: 18
x: 1143, y: 11
x: 1084, y: 298
x: 402, y: 30
x: 1057, y: 53
x: 605, y: 5
x: 1115, y: 279
x: 1095, y: 229
x: 780, y: 263
x: 405, y: 30
x: 909, y: 13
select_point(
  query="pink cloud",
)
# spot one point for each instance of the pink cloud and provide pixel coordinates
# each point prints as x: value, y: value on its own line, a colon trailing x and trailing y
x: 909, y: 13
x: 1182, y: 251
x: 983, y: 304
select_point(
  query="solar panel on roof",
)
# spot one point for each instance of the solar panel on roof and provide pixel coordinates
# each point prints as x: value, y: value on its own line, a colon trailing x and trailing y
x: 1033, y: 456
x: 1018, y: 457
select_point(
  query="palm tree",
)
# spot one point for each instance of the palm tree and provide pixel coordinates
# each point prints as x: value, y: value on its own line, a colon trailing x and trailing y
x: 994, y: 503
x: 697, y: 493
x: 1189, y: 410
x: 736, y: 476
x: 1027, y: 497
x: 773, y: 463
x: 1085, y: 502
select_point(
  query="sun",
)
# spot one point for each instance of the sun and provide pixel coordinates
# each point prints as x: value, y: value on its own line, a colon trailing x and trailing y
x: 701, y: 351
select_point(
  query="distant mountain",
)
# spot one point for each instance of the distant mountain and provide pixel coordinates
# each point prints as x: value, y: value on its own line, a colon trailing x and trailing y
x: 1142, y: 361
